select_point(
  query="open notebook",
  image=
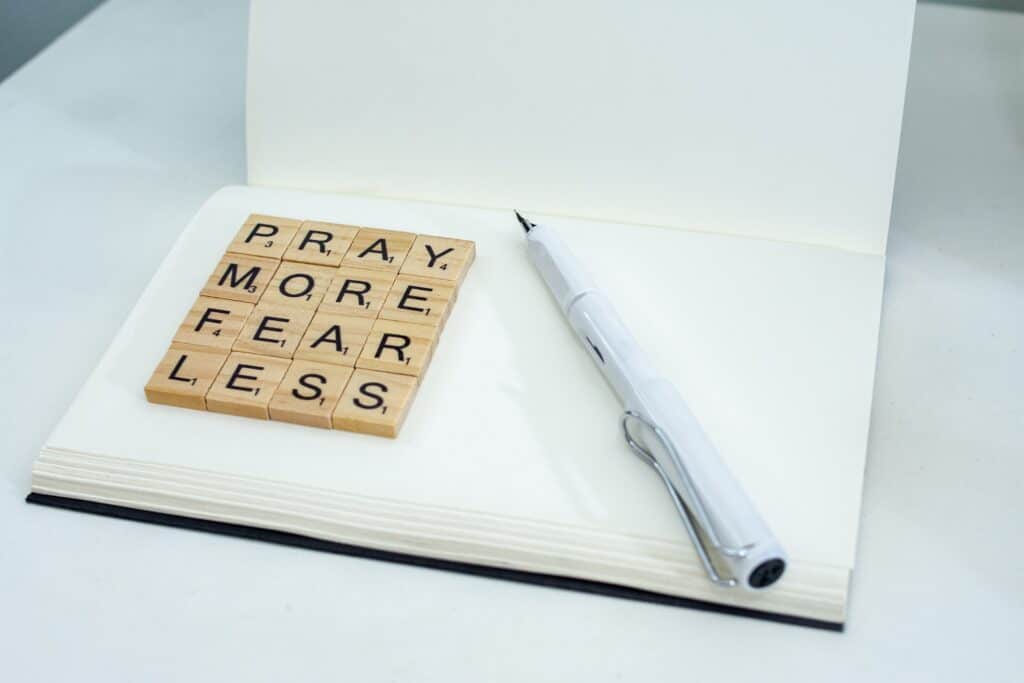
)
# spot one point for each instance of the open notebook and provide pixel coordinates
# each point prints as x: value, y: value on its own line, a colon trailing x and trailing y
x: 512, y: 462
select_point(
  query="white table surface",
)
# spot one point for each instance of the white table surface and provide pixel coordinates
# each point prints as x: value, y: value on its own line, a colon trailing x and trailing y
x: 110, y: 140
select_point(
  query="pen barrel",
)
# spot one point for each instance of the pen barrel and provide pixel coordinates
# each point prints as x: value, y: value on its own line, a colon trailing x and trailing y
x: 694, y: 467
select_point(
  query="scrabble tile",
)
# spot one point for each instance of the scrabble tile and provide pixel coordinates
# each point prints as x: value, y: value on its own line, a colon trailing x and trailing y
x: 213, y: 323
x: 335, y: 339
x: 439, y: 257
x: 240, y: 278
x: 322, y: 244
x: 399, y: 347
x: 298, y: 284
x: 183, y: 377
x: 273, y: 330
x: 382, y: 249
x: 375, y: 403
x: 308, y: 393
x: 357, y: 291
x: 419, y: 300
x: 267, y: 236
x: 245, y: 385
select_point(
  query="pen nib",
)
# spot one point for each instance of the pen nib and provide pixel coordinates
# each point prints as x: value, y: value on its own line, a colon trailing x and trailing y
x: 527, y: 225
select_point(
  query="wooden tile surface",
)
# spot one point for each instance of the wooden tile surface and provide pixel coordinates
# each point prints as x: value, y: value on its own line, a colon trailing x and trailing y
x: 418, y: 300
x: 335, y: 339
x: 380, y: 249
x: 399, y: 347
x: 442, y: 258
x: 183, y: 376
x: 267, y: 236
x: 308, y: 393
x: 322, y: 244
x: 273, y: 330
x: 357, y: 291
x: 319, y: 324
x: 213, y: 323
x: 245, y: 385
x: 375, y: 403
x: 240, y: 278
x: 298, y: 284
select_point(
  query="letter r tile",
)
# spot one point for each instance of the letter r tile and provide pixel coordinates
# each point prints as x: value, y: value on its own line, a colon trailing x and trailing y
x: 398, y: 347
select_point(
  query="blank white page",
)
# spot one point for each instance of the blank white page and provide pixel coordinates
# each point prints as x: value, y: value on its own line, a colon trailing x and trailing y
x: 773, y: 345
x: 773, y: 119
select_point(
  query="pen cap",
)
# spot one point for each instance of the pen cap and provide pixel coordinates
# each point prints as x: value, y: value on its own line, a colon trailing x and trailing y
x: 697, y: 471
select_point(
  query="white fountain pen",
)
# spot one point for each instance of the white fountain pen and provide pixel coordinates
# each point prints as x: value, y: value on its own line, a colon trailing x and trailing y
x: 732, y: 541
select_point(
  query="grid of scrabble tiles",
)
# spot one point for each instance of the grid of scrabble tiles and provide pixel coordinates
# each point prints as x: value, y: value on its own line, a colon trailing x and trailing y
x: 315, y: 323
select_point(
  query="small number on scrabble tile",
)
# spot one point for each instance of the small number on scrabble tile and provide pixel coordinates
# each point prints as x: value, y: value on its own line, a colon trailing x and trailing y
x: 335, y: 339
x: 375, y: 403
x: 245, y: 385
x: 267, y: 236
x: 308, y: 393
x: 298, y: 284
x: 382, y: 249
x: 183, y: 377
x: 240, y: 278
x: 419, y: 300
x: 399, y: 347
x: 357, y: 291
x: 439, y: 257
x: 213, y: 322
x: 322, y: 244
x: 273, y: 330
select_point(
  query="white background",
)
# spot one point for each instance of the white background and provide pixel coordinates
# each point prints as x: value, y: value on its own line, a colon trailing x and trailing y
x: 111, y: 139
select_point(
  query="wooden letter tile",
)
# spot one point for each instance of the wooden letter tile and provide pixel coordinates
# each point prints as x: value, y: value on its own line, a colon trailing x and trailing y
x: 383, y: 249
x: 298, y: 284
x: 273, y: 330
x: 245, y: 385
x: 419, y: 300
x: 308, y: 393
x: 213, y: 322
x: 375, y: 403
x: 241, y: 278
x: 267, y: 236
x: 399, y: 347
x: 322, y: 244
x: 335, y: 339
x: 439, y: 257
x: 183, y: 377
x: 357, y: 291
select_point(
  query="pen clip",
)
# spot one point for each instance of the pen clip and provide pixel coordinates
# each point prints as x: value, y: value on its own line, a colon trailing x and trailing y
x: 692, y: 519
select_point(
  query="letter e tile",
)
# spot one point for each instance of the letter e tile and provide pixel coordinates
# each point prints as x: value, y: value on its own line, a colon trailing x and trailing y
x: 245, y: 385
x: 273, y: 330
